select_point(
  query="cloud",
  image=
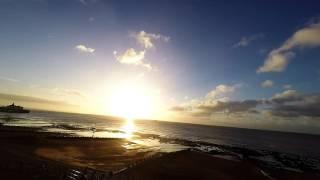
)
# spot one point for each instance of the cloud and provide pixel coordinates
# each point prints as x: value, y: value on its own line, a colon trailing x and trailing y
x: 132, y: 57
x: 221, y: 90
x: 278, y: 59
x: 83, y: 48
x: 306, y: 37
x: 287, y: 104
x: 146, y: 40
x: 216, y: 100
x: 292, y: 104
x: 228, y: 107
x: 219, y: 93
x: 8, y: 79
x: 245, y: 41
x: 267, y: 84
x: 30, y: 99
x: 286, y: 96
x: 276, y: 62
x: 231, y: 106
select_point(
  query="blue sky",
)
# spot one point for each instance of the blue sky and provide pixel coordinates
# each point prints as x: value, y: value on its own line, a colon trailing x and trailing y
x: 74, y: 51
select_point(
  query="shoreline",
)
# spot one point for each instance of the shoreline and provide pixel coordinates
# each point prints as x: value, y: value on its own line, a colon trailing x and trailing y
x: 110, y: 155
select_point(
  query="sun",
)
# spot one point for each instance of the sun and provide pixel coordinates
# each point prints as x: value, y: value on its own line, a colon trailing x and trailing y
x: 131, y: 101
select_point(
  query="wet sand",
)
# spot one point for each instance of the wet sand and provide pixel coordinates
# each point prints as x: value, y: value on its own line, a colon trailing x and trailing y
x: 102, y: 154
x: 28, y: 154
x: 190, y: 164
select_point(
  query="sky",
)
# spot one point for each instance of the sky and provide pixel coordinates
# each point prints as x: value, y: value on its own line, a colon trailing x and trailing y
x: 250, y: 64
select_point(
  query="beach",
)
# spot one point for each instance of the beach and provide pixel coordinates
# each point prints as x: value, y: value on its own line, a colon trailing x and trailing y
x: 27, y: 153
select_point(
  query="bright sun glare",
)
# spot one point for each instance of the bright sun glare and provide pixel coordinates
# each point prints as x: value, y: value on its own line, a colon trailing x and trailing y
x: 129, y: 128
x: 131, y: 101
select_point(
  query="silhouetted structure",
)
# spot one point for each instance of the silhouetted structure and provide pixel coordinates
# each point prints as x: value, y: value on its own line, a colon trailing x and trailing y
x: 13, y: 109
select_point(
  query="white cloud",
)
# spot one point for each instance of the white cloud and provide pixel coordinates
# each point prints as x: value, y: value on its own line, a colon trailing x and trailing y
x: 278, y: 59
x: 276, y: 62
x: 83, y: 48
x: 219, y: 93
x: 221, y: 90
x: 306, y: 37
x: 267, y: 84
x: 245, y: 41
x: 130, y: 56
x: 146, y: 39
x: 133, y: 57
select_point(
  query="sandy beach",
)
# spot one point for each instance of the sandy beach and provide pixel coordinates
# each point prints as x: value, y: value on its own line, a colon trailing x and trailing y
x: 28, y: 154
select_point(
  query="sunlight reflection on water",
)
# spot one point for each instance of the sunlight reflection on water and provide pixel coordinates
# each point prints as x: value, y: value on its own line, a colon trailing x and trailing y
x: 129, y: 128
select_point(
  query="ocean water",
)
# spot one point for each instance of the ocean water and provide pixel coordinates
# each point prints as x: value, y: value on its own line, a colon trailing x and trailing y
x: 151, y: 132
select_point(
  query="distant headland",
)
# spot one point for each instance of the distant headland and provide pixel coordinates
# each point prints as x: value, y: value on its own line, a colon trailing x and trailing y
x: 13, y: 109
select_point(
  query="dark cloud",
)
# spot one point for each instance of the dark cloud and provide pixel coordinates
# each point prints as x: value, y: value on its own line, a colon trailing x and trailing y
x: 286, y: 104
x: 296, y: 106
x: 286, y: 97
x: 220, y: 107
x: 231, y: 107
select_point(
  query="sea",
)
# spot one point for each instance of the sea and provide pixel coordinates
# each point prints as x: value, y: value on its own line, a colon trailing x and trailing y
x: 273, y: 147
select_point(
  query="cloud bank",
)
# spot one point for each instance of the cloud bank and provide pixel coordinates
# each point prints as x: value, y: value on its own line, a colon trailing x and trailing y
x: 292, y: 104
x: 217, y: 100
x: 288, y: 103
